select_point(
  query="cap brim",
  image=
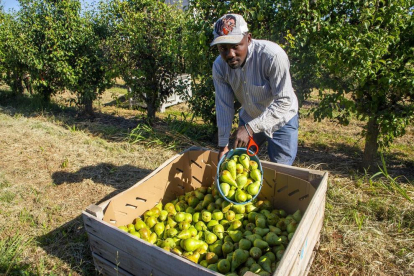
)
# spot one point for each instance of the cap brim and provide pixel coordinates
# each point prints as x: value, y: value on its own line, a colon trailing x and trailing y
x: 227, y: 39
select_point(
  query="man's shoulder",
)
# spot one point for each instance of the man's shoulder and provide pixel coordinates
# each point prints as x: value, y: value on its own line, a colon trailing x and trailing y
x: 267, y: 48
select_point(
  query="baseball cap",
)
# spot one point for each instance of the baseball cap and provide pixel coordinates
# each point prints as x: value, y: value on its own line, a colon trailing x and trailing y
x: 229, y: 29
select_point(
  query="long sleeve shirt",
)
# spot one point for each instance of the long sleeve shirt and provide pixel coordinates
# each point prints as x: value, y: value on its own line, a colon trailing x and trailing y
x: 263, y: 87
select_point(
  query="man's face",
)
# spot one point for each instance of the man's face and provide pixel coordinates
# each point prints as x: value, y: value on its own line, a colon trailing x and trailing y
x: 235, y: 54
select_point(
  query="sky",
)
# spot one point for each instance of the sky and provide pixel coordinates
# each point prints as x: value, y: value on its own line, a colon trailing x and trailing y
x: 8, y: 5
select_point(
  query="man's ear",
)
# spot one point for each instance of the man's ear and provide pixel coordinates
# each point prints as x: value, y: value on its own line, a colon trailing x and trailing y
x: 249, y: 38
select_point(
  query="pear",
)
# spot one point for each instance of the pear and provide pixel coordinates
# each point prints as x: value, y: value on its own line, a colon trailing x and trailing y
x: 231, y: 195
x: 260, y: 244
x: 123, y: 228
x: 218, y: 229
x: 208, y: 198
x: 194, y: 257
x: 297, y: 216
x: 271, y: 256
x: 240, y: 196
x: 223, y: 266
x: 169, y: 242
x: 225, y: 176
x: 252, y: 216
x: 261, y: 231
x: 159, y: 228
x: 206, y: 216
x: 235, y: 157
x: 290, y: 236
x: 184, y: 234
x: 231, y: 167
x: 139, y: 224
x: 200, y: 226
x: 216, y: 248
x: 239, y: 168
x: 265, y: 263
x: 230, y: 215
x: 256, y: 175
x: 209, y: 237
x: 253, y: 165
x: 179, y: 217
x: 255, y: 252
x: 260, y: 222
x: 243, y: 270
x: 239, y: 257
x: 204, y: 263
x: 225, y: 188
x: 181, y: 205
x: 253, y: 188
x: 226, y: 206
x: 153, y: 238
x: 192, y: 244
x: 244, y: 159
x: 291, y: 228
x: 193, y: 201
x: 217, y: 215
x: 274, y: 229
x: 241, y: 181
x: 193, y: 231
x: 213, y: 267
x: 150, y: 221
x: 245, y: 244
x: 253, y: 237
x: 227, y: 247
x: 163, y: 216
x: 239, y: 209
x: 279, y: 254
x: 172, y: 232
x: 235, y: 235
x: 255, y: 268
x: 272, y: 219
x: 211, y: 258
x: 235, y: 225
x: 272, y: 239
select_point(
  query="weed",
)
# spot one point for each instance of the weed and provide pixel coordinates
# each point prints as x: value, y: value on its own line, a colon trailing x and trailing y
x: 65, y: 163
x: 391, y: 184
x: 7, y: 197
x: 359, y: 219
x: 11, y: 253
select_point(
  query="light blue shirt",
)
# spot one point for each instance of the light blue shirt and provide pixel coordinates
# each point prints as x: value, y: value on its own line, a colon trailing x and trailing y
x: 263, y: 87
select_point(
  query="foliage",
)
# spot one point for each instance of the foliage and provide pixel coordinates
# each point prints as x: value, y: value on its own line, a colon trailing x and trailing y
x: 365, y: 58
x: 145, y: 46
x: 278, y: 21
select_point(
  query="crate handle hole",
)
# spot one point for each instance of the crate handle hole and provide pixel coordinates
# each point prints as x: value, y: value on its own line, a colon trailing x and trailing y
x: 131, y: 206
x: 122, y: 213
x: 268, y: 184
x: 197, y: 179
x: 180, y: 170
x: 180, y: 186
x: 303, y: 197
x: 112, y: 221
x: 294, y: 192
x: 195, y: 163
x: 282, y: 189
x: 141, y: 199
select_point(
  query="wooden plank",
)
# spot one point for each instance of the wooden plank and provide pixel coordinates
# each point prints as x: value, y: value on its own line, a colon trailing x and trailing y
x: 303, y: 229
x: 305, y: 174
x: 119, y: 258
x: 154, y: 256
x: 107, y: 268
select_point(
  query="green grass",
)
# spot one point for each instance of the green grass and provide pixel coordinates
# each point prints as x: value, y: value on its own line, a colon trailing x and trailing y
x: 11, y: 255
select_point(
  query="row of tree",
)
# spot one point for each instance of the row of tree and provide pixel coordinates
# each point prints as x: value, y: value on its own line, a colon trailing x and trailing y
x: 361, y: 52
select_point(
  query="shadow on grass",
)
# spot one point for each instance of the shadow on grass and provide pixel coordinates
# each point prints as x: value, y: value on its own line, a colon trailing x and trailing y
x: 119, y: 177
x: 69, y: 242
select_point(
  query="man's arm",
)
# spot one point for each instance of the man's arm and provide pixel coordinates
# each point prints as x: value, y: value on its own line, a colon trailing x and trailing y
x: 224, y: 100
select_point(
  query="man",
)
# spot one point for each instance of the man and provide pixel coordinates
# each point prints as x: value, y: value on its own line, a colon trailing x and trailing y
x: 256, y: 72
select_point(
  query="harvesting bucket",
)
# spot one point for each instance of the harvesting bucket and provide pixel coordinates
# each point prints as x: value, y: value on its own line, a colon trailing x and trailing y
x: 228, y: 155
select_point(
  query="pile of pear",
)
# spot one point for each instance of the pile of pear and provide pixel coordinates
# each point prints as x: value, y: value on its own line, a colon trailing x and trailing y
x: 228, y: 238
x: 240, y: 178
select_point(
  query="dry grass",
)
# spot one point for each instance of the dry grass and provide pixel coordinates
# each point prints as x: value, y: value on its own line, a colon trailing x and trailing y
x: 52, y: 166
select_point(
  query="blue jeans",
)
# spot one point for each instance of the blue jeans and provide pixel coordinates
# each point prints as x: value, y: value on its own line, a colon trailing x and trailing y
x: 283, y: 146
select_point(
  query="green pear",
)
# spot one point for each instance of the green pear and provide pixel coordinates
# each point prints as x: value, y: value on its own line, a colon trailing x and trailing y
x: 227, y: 247
x: 240, y: 196
x: 239, y: 209
x: 239, y: 257
x: 153, y: 238
x: 179, y: 217
x: 261, y: 231
x: 216, y: 248
x: 235, y: 157
x: 260, y: 244
x: 208, y: 198
x: 144, y: 233
x: 244, y: 159
x: 231, y: 167
x: 226, y: 206
x: 241, y: 181
x: 209, y: 237
x: 235, y: 235
x: 253, y: 165
x: 253, y: 188
x: 169, y: 207
x: 291, y: 228
x: 192, y: 244
x: 200, y: 226
x: 139, y: 224
x: 230, y: 215
x: 151, y: 221
x: 271, y: 256
x: 260, y: 222
x: 239, y: 168
x: 256, y: 175
x: 255, y: 252
x: 194, y: 257
x: 235, y: 225
x: 206, y: 216
x: 297, y: 216
x: 184, y: 234
x: 223, y: 266
x: 225, y: 176
x: 211, y: 258
x: 243, y: 270
x: 250, y: 261
x: 172, y: 232
x: 245, y: 244
x: 211, y: 224
x: 159, y: 228
x: 218, y: 229
x: 225, y: 188
x: 279, y: 254
x: 231, y: 195
x: 265, y: 263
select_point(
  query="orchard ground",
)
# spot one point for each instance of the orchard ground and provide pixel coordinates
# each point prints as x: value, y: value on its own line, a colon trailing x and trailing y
x: 54, y: 163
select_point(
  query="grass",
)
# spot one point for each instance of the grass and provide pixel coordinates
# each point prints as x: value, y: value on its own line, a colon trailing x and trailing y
x: 54, y: 163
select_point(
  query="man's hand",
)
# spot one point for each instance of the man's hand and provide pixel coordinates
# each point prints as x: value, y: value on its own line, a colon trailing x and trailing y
x: 242, y: 137
x: 222, y: 151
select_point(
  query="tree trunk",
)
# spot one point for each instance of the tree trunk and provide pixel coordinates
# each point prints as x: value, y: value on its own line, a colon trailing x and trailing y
x: 88, y: 107
x: 371, y: 145
x: 151, y: 109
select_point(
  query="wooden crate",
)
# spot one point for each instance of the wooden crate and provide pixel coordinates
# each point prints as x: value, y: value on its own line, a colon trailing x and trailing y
x: 116, y: 252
